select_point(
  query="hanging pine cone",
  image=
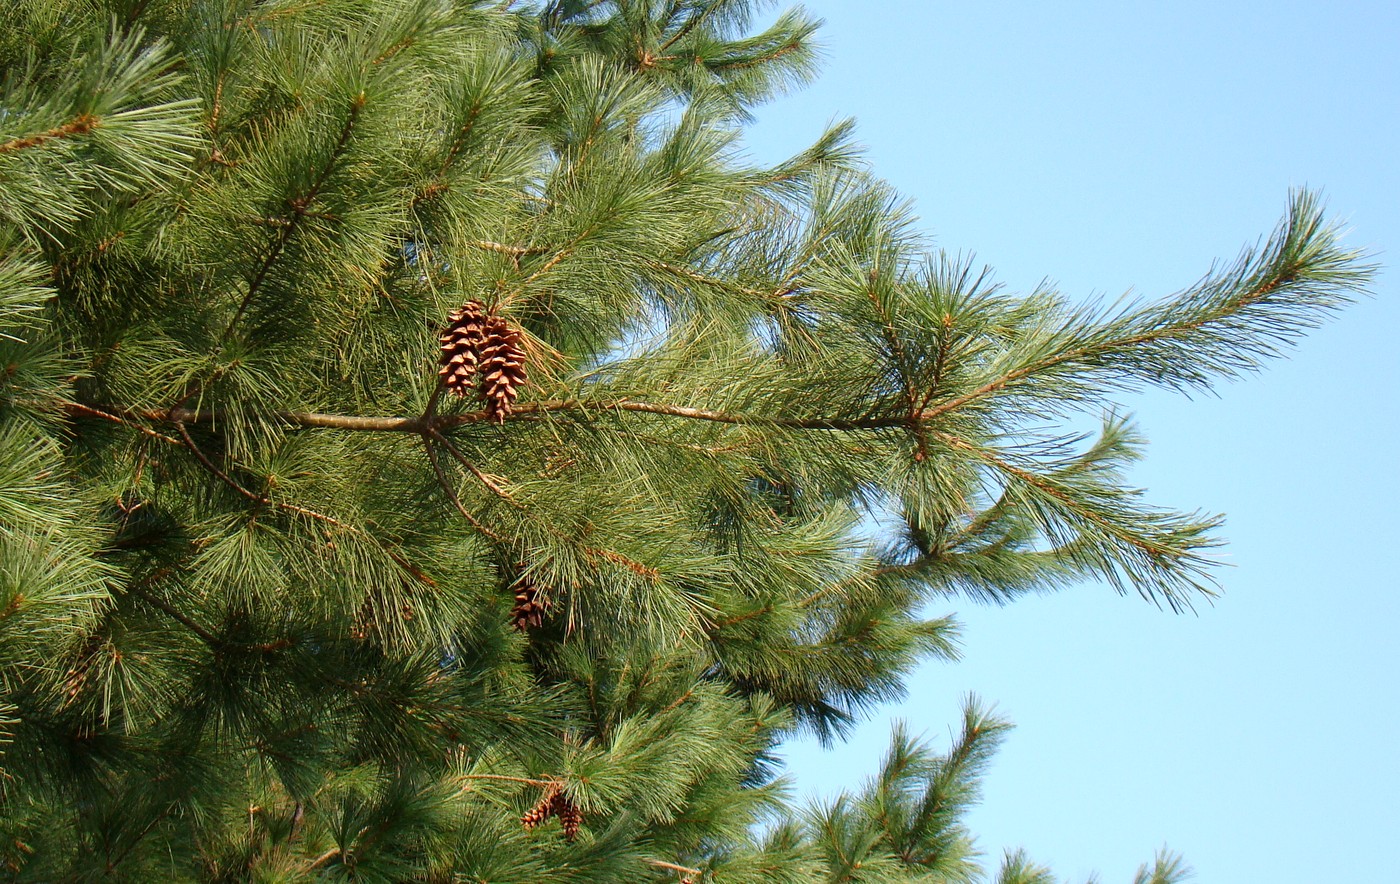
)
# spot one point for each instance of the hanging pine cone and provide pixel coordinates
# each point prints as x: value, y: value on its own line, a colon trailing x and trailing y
x: 461, y: 347
x: 570, y: 816
x: 502, y: 367
x: 528, y: 612
x: 544, y: 808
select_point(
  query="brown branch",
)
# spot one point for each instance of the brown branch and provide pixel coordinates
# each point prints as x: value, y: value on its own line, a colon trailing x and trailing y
x: 262, y: 499
x: 552, y: 262
x: 1039, y: 483
x: 213, y: 641
x: 80, y: 125
x: 503, y: 778
x: 686, y: 27
x: 459, y: 139
x: 904, y: 366
x: 452, y: 492
x: 790, y: 46
x: 504, y: 249
x: 79, y: 408
x: 324, y: 858
x: 662, y: 864
x: 590, y: 552
x: 527, y: 410
x: 756, y: 612
x: 945, y: 337
x: 174, y: 613
x: 676, y: 703
x: 486, y: 480
x: 704, y: 279
x: 213, y: 468
x: 616, y: 558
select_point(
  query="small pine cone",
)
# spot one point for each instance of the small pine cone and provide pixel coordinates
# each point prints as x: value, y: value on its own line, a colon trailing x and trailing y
x: 544, y: 808
x: 76, y: 678
x: 528, y: 612
x: 502, y: 367
x: 461, y: 345
x: 363, y: 624
x: 570, y: 816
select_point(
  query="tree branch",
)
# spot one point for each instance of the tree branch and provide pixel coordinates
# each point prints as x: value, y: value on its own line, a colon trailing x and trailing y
x: 461, y: 458
x: 79, y: 125
x: 408, y: 567
x: 527, y: 410
x: 662, y: 864
x: 137, y: 589
x: 504, y: 249
x: 452, y: 492
x: 466, y: 778
x: 298, y: 205
x: 1078, y: 354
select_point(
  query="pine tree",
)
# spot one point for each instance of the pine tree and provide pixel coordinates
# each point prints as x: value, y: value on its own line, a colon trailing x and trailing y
x: 287, y: 596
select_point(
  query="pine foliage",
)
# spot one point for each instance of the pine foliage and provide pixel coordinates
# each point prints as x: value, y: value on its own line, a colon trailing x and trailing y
x: 273, y: 607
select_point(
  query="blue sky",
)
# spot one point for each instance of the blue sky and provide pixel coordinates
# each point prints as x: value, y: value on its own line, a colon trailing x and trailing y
x: 1125, y: 146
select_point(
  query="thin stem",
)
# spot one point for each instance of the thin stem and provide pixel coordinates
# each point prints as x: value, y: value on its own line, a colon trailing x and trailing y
x: 1082, y: 353
x: 298, y: 205
x: 324, y: 858
x: 88, y: 410
x: 486, y: 480
x: 205, y: 635
x: 189, y: 443
x: 213, y: 468
x: 508, y: 779
x: 452, y: 492
x: 504, y: 249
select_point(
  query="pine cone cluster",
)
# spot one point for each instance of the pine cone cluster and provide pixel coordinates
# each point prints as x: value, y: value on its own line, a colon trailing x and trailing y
x: 482, y: 351
x: 555, y: 803
x: 528, y: 612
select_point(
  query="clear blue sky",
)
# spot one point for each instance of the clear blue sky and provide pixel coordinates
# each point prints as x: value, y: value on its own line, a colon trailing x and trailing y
x: 1113, y: 146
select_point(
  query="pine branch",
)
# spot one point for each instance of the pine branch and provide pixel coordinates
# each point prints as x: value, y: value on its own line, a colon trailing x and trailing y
x: 591, y: 552
x: 461, y: 458
x: 1158, y: 552
x: 78, y: 408
x: 263, y: 500
x: 523, y: 411
x: 504, y: 249
x: 80, y: 125
x: 1220, y: 327
x: 540, y: 784
x: 704, y: 279
x: 298, y: 206
x: 452, y: 493
x: 138, y: 589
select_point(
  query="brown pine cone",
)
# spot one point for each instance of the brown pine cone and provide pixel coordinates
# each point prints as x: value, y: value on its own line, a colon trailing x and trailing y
x: 544, y: 808
x: 502, y: 367
x: 461, y: 344
x: 570, y: 816
x: 528, y: 612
